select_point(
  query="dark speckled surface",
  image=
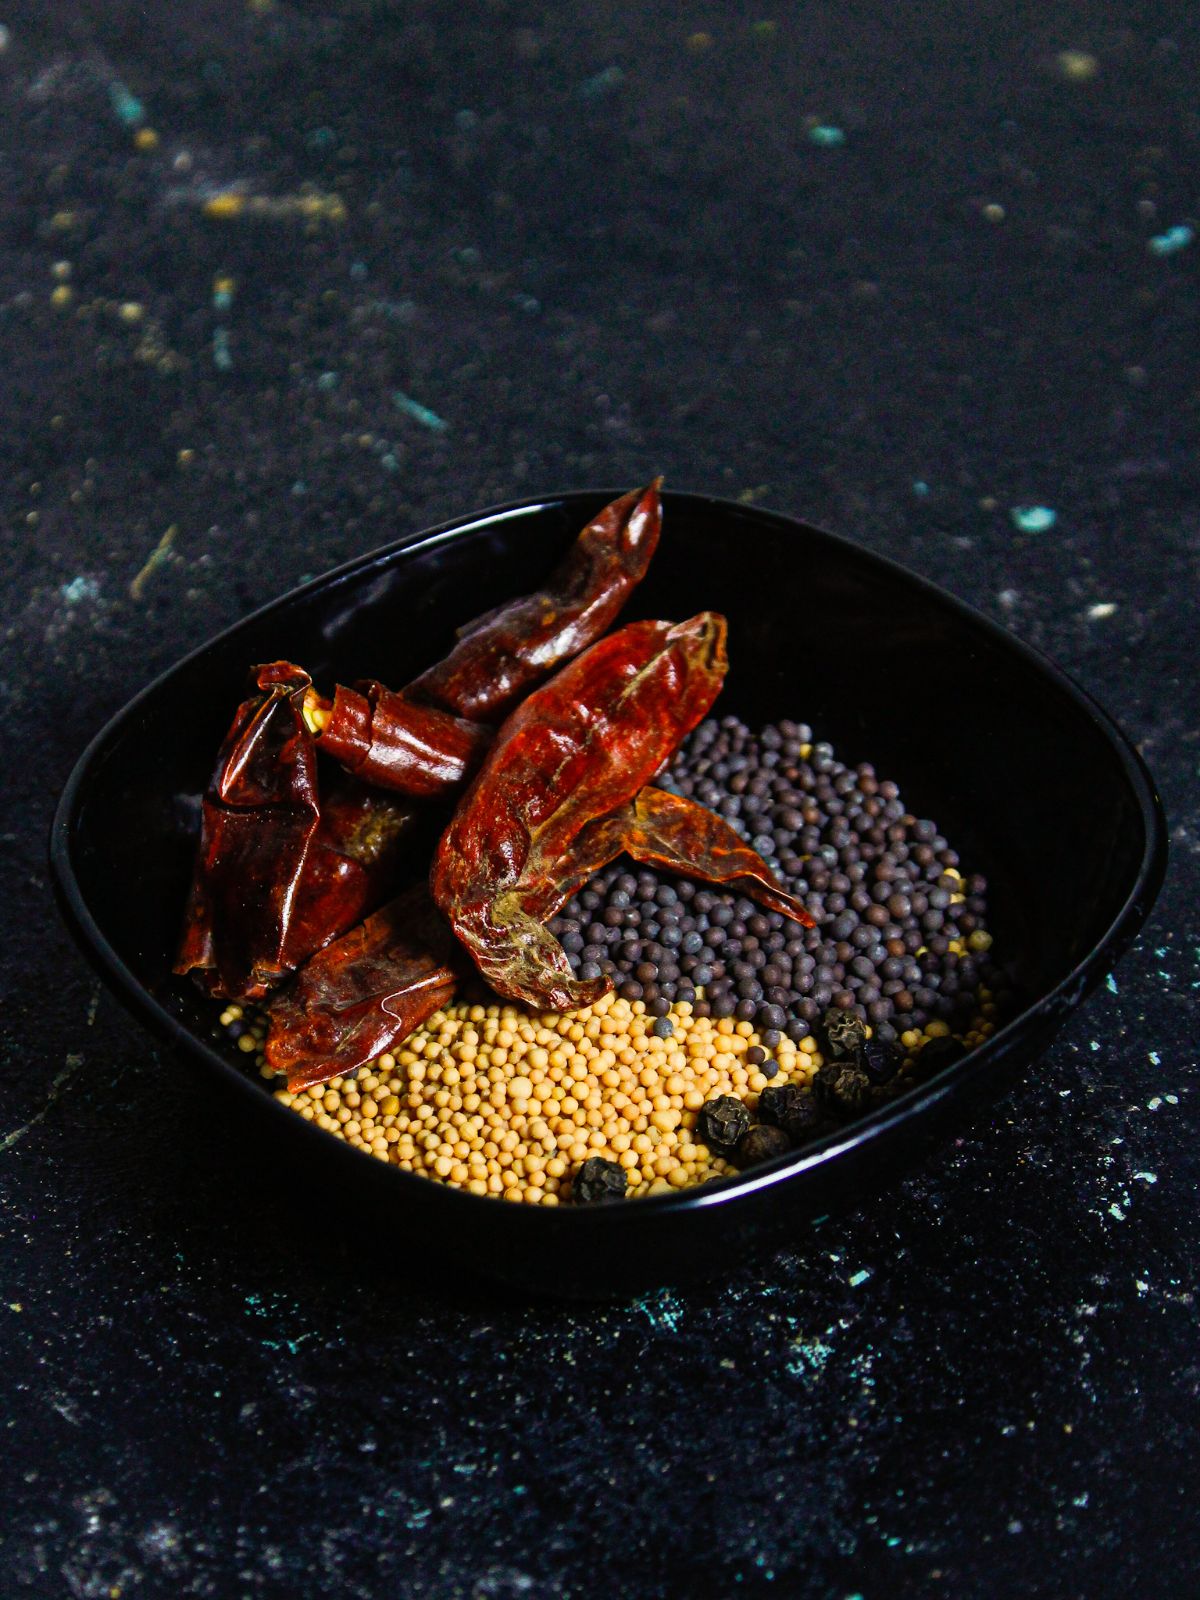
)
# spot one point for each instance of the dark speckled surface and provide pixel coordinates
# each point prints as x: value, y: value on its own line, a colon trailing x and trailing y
x: 593, y: 250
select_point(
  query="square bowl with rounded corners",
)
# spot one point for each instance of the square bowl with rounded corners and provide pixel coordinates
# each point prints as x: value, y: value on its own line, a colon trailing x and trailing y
x: 1026, y: 776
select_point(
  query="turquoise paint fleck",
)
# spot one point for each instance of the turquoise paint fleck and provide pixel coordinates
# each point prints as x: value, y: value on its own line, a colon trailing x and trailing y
x: 395, y: 310
x: 807, y: 1358
x: 826, y: 135
x: 601, y: 83
x: 920, y: 487
x: 1176, y: 238
x: 128, y: 108
x: 222, y: 355
x: 1110, y: 984
x: 79, y: 589
x: 327, y: 381
x: 663, y: 1310
x: 1033, y: 519
x: 859, y: 1277
x: 419, y: 413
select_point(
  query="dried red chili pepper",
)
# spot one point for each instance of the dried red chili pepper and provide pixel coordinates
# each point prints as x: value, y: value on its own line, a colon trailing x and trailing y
x: 556, y: 799
x: 277, y: 874
x: 666, y: 830
x: 258, y: 818
x: 361, y: 994
x: 505, y: 652
x: 352, y: 863
x: 383, y: 738
x: 426, y: 739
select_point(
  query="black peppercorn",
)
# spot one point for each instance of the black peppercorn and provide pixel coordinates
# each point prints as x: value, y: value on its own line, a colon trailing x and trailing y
x: 878, y: 1059
x: 760, y: 1144
x: 844, y: 1032
x: 939, y: 1053
x: 722, y: 1122
x: 598, y: 1179
x: 843, y: 1087
x: 791, y: 1107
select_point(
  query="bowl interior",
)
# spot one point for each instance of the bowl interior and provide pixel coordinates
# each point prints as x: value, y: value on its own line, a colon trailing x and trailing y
x: 1025, y: 776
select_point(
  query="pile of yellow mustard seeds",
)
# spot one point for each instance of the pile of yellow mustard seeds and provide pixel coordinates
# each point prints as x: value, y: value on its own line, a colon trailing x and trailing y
x: 505, y: 1102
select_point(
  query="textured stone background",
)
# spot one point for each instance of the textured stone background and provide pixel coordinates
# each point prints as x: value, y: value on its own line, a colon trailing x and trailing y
x: 897, y: 269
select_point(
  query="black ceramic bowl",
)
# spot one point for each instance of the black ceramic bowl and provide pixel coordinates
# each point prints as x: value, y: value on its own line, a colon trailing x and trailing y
x: 1028, y: 778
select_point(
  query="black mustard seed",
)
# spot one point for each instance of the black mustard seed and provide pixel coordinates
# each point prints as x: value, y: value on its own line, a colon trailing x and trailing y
x: 874, y: 876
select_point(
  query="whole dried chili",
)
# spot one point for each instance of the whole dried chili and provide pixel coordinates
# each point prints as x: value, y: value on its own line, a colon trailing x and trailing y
x: 383, y: 738
x: 362, y: 837
x: 357, y: 996
x: 257, y: 822
x: 264, y: 897
x: 504, y: 653
x: 427, y: 738
x: 558, y: 796
x: 278, y: 873
x: 666, y: 830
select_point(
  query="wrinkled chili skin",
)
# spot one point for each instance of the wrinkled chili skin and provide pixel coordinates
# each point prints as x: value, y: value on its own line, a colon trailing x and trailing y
x: 258, y: 819
x: 380, y: 736
x: 352, y: 864
x: 507, y: 651
x: 666, y: 830
x: 427, y: 738
x: 363, y: 993
x: 578, y: 748
x: 281, y: 871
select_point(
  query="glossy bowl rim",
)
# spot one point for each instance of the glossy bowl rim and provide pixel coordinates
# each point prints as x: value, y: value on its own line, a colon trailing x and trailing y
x: 913, y: 1105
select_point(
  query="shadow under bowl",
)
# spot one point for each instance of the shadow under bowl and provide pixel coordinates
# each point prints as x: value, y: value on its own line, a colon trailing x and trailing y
x: 1027, y: 777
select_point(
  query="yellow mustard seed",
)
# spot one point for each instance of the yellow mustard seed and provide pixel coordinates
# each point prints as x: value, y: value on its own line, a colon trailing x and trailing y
x: 507, y: 1105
